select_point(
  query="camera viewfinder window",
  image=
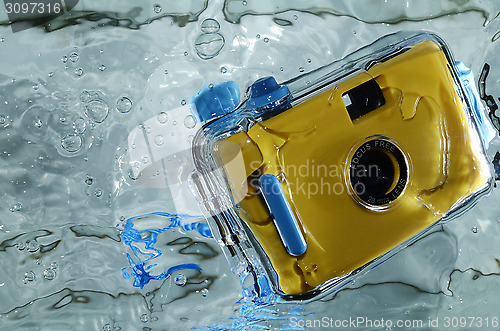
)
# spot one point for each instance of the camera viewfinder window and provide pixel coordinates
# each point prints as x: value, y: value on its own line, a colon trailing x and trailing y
x: 363, y: 99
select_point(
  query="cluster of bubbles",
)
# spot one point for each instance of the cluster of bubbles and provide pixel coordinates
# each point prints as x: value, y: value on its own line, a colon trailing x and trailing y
x: 109, y: 327
x: 96, y: 108
x: 210, y: 42
x: 31, y: 246
x: 48, y: 274
x: 16, y: 207
x: 72, y: 58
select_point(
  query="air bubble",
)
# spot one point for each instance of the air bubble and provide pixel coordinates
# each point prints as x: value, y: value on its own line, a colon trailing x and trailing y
x: 97, y: 110
x: 98, y: 193
x: 190, y: 121
x: 33, y: 246
x: 79, y: 71
x: 295, y: 17
x: 71, y: 143
x: 266, y: 40
x: 145, y: 160
x: 301, y: 69
x: 38, y: 123
x: 162, y: 117
x: 89, y: 180
x: 180, y: 280
x: 79, y: 125
x: 157, y: 8
x: 186, y: 53
x: 183, y: 102
x: 210, y: 25
x: 84, y: 96
x: 64, y: 59
x: 49, y: 274
x: 107, y: 327
x: 102, y: 67
x: 210, y: 86
x: 244, y: 3
x: 21, y: 246
x: 309, y: 60
x: 474, y: 229
x: 159, y: 140
x: 144, y: 318
x: 29, y: 276
x: 204, y: 292
x: 174, y: 123
x: 208, y: 45
x: 74, y: 57
x: 257, y: 36
x: 223, y: 70
x: 36, y: 86
x: 3, y: 119
x: 124, y: 105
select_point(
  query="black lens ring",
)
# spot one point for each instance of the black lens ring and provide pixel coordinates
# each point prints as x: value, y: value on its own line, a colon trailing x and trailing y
x: 383, y: 145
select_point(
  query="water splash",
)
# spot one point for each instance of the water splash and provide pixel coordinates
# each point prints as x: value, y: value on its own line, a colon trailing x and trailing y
x: 141, y: 266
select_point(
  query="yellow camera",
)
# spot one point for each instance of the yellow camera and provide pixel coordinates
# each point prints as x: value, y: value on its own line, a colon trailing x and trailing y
x: 333, y: 178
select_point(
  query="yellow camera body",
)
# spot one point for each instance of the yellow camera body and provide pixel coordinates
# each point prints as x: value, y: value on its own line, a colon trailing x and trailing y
x: 422, y: 114
x: 363, y: 166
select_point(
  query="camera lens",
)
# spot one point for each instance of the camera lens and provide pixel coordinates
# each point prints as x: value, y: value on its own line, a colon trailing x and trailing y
x: 377, y: 172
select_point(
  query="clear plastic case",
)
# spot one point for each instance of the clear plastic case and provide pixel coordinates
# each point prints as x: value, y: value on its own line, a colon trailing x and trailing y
x: 309, y: 183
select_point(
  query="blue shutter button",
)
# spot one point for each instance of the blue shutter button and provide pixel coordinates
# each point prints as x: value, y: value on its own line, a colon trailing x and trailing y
x: 267, y: 93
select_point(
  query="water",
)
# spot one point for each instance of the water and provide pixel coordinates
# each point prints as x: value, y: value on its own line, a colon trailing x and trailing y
x: 68, y: 198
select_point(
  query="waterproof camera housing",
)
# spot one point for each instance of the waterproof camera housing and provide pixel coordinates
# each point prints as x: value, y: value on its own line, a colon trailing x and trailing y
x: 312, y: 182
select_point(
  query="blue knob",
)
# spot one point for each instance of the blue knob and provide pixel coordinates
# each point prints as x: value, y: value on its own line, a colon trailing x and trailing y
x: 266, y: 93
x: 214, y: 100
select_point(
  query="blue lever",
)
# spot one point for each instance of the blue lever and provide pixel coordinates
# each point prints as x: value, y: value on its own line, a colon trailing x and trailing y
x: 282, y: 214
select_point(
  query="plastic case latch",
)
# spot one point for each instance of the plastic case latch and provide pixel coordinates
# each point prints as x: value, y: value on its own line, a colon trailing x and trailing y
x: 215, y: 100
x: 267, y: 93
